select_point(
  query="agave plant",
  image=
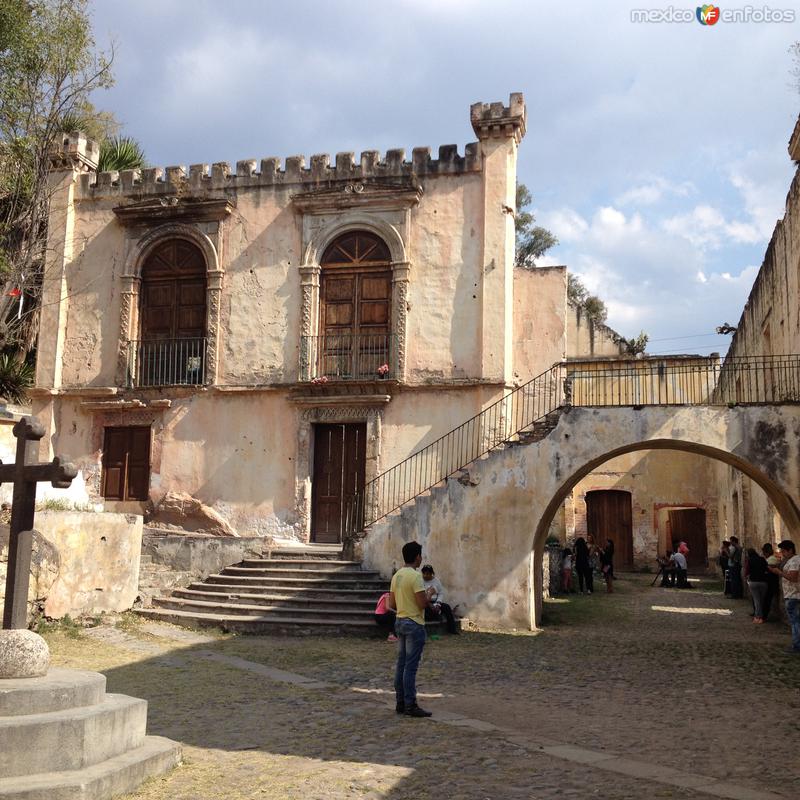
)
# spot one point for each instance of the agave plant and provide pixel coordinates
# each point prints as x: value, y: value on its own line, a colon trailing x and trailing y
x: 15, y: 378
x: 120, y: 152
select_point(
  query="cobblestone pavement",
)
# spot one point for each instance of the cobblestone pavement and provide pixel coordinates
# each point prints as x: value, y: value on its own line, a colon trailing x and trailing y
x: 646, y: 693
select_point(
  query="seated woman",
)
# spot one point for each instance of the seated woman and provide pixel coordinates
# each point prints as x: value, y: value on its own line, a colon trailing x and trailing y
x: 385, y: 616
x: 438, y: 608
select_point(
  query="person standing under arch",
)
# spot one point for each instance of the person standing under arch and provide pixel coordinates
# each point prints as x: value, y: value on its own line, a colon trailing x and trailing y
x: 583, y: 565
x: 607, y: 565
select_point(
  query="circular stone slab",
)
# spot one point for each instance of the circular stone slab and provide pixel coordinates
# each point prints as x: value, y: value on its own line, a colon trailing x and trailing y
x: 23, y: 654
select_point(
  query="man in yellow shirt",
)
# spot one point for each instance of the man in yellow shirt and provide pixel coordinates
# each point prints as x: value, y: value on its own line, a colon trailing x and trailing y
x: 408, y: 597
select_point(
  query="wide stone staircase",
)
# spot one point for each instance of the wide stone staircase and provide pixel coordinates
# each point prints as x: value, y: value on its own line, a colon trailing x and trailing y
x: 285, y: 592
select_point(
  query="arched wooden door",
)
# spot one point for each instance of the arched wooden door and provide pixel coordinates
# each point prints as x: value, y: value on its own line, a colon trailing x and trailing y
x: 355, y: 308
x: 608, y: 516
x: 173, y: 316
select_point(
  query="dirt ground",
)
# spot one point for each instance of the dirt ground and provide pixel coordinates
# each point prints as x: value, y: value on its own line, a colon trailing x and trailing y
x: 645, y: 693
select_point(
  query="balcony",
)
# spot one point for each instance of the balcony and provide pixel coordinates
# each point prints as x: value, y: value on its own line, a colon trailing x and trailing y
x: 349, y: 357
x: 167, y: 362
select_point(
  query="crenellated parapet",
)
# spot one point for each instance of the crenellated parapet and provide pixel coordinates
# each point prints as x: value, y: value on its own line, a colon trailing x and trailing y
x: 495, y: 120
x: 292, y: 172
x: 489, y: 120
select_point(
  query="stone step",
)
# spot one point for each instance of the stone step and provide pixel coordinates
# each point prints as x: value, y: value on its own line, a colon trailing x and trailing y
x: 59, y: 690
x: 322, y: 565
x: 327, y: 582
x: 277, y: 572
x: 244, y: 609
x: 122, y: 774
x: 73, y: 738
x: 256, y: 624
x: 311, y: 592
x: 321, y: 551
x: 276, y: 600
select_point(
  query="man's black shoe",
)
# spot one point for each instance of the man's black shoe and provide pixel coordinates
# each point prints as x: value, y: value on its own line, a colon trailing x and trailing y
x: 400, y: 708
x: 416, y: 711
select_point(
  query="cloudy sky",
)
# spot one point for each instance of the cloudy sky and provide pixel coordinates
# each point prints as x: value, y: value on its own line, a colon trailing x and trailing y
x: 656, y: 152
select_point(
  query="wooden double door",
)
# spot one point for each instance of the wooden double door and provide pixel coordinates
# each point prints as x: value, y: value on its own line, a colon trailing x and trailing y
x: 340, y: 452
x: 608, y: 516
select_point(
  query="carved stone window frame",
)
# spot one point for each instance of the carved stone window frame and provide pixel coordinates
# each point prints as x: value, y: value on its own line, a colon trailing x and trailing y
x: 310, y: 271
x: 139, y: 249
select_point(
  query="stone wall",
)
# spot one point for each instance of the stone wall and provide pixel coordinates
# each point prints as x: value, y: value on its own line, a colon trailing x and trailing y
x: 589, y: 339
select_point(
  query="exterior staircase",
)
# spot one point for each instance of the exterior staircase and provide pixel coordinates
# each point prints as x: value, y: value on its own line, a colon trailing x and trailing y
x: 286, y: 592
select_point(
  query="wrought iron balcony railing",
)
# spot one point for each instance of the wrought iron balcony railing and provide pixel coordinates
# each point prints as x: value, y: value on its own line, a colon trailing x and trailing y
x: 348, y: 356
x: 167, y: 362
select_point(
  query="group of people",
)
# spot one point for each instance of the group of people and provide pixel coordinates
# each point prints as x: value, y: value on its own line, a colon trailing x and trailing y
x: 766, y: 573
x: 675, y: 566
x: 585, y: 559
x: 436, y: 609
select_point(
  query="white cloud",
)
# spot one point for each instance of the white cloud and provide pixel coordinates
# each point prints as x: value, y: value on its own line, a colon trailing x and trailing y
x: 653, y: 190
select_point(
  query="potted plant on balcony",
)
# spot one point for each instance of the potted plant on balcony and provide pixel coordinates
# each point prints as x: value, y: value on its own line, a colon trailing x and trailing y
x: 383, y: 371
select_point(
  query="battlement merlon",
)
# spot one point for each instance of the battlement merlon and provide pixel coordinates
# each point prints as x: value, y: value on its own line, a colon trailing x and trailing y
x: 494, y: 120
x: 75, y: 151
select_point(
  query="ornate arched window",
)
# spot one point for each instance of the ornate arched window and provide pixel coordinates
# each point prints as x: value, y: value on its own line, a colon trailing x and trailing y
x: 355, y: 339
x: 172, y: 338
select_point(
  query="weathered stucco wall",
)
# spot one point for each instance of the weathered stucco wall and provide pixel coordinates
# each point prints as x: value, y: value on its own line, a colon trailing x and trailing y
x: 99, y: 556
x: 588, y: 339
x: 486, y: 533
x: 540, y: 306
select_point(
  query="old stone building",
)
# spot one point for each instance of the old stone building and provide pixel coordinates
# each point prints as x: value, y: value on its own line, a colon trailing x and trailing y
x: 239, y: 351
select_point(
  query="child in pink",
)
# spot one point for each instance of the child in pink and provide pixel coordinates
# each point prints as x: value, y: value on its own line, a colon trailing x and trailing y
x: 566, y: 569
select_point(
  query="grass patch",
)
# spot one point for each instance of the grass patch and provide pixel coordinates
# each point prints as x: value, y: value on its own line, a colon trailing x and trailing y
x: 66, y: 626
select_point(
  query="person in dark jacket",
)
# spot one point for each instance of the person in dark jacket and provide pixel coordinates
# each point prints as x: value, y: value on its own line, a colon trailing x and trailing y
x: 607, y: 565
x: 583, y: 565
x: 756, y: 569
x: 773, y: 581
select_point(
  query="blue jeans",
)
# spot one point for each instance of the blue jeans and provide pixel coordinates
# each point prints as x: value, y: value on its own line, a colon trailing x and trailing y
x: 411, y: 636
x: 793, y: 612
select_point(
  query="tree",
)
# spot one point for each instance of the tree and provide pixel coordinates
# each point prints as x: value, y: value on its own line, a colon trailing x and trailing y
x: 637, y: 345
x: 48, y: 68
x: 120, y: 152
x: 532, y: 241
x: 591, y: 305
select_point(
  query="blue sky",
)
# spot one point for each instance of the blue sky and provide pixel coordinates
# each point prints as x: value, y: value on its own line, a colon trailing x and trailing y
x: 655, y: 152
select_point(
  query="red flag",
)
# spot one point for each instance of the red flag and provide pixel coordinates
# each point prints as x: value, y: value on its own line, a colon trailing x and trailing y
x: 14, y: 293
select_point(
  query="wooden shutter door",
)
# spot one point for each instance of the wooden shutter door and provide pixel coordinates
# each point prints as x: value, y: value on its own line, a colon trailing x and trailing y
x: 138, y: 464
x: 326, y: 490
x: 115, y: 450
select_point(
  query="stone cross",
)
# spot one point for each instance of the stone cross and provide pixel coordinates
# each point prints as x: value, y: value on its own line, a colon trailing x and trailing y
x: 25, y: 476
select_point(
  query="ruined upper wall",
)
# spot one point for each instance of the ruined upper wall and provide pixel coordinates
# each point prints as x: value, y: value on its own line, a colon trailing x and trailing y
x: 589, y: 339
x: 770, y: 320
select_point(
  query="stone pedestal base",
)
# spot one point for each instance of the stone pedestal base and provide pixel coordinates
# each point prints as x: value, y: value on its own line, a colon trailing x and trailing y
x: 62, y: 737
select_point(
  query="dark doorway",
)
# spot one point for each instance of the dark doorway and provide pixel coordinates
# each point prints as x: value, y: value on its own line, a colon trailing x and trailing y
x: 339, y: 460
x: 126, y: 463
x: 608, y: 516
x: 689, y: 525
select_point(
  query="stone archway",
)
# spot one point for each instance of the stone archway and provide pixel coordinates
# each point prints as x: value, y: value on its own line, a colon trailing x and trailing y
x: 757, y: 469
x: 489, y: 526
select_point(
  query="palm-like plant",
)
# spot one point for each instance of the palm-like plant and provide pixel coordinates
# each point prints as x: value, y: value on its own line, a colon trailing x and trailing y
x: 120, y: 152
x: 15, y: 378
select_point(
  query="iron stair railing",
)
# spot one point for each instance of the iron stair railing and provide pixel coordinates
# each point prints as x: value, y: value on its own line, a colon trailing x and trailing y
x: 639, y: 382
x: 497, y: 424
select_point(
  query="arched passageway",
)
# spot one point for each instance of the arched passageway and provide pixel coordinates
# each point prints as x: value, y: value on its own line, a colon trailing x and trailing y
x: 780, y: 498
x: 487, y: 529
